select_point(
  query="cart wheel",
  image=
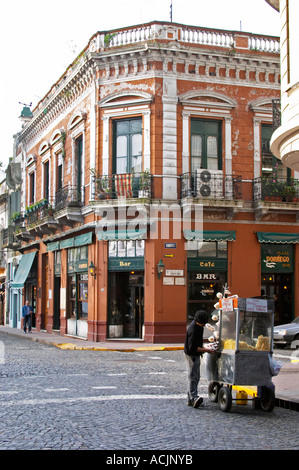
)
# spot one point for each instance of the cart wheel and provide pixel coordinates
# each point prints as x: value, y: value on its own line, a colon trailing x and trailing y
x: 267, y: 401
x: 213, y: 391
x: 225, y: 398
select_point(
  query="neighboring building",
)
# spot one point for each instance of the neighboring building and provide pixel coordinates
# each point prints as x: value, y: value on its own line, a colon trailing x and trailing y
x: 3, y: 254
x: 156, y: 116
x: 285, y: 141
x: 9, y: 242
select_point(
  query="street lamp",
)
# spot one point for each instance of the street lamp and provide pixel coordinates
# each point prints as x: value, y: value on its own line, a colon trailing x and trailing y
x: 92, y: 270
x: 161, y: 268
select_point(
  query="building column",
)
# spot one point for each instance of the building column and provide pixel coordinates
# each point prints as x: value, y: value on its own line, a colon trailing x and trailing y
x: 170, y: 100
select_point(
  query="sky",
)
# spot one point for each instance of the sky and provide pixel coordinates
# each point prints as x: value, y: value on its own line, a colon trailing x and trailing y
x: 40, y: 39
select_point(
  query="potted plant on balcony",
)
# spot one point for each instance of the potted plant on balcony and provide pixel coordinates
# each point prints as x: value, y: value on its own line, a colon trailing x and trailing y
x: 104, y: 187
x: 145, y: 184
x: 271, y: 189
x: 50, y: 210
x: 16, y: 216
x: 288, y: 191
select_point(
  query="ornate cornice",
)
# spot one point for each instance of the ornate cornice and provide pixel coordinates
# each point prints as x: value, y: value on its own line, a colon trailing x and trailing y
x: 59, y: 99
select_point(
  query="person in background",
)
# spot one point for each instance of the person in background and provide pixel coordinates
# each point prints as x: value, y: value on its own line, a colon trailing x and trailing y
x: 193, y: 350
x: 26, y: 315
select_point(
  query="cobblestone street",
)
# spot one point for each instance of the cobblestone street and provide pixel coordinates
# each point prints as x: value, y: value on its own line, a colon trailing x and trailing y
x: 84, y: 400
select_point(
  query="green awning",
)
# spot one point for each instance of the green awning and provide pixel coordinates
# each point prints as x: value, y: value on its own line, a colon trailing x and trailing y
x: 121, y: 234
x: 85, y: 239
x: 53, y: 246
x: 210, y: 236
x: 80, y: 240
x: 68, y: 243
x: 282, y: 238
x: 23, y: 270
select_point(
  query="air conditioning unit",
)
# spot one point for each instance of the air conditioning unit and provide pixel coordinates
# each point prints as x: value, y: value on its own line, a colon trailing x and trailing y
x: 209, y: 183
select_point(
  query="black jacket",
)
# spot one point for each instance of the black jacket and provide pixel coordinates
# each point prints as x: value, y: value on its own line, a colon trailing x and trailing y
x: 194, y: 339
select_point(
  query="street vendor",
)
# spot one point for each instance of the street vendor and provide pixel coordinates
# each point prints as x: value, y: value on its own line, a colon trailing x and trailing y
x: 193, y: 350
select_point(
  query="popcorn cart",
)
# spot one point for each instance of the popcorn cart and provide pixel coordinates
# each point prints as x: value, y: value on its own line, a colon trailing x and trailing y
x: 243, y: 356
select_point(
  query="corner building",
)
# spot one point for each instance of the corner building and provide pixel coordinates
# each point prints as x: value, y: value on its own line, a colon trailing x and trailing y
x: 172, y: 123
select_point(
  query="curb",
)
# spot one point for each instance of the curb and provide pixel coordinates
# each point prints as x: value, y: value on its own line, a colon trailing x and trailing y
x: 70, y: 346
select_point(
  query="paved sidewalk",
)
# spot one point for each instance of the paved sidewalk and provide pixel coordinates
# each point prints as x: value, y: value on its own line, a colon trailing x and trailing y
x: 286, y: 382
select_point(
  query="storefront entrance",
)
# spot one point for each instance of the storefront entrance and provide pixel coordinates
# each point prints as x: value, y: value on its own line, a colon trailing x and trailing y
x: 277, y: 279
x: 78, y: 305
x: 279, y: 287
x: 126, y: 306
x: 207, y: 271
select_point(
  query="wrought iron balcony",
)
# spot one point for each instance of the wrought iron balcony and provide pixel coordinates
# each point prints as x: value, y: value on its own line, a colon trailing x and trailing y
x: 129, y: 185
x: 37, y: 212
x: 208, y: 184
x: 68, y: 196
x: 8, y: 239
x: 276, y: 189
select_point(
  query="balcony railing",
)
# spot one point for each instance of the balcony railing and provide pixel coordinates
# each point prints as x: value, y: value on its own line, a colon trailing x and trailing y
x: 208, y: 184
x: 128, y: 185
x: 276, y: 189
x: 68, y: 196
x: 38, y: 211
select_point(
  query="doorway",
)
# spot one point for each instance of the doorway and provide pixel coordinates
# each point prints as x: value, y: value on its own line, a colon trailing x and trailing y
x: 45, y: 293
x: 126, y: 306
x: 56, y: 316
x: 280, y: 288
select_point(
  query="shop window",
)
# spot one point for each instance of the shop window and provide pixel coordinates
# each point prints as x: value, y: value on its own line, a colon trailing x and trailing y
x: 205, y: 145
x: 126, y: 248
x: 83, y: 295
x: 78, y: 296
x: 77, y: 254
x: 207, y: 249
x: 207, y: 274
x: 72, y: 297
x: 127, y: 146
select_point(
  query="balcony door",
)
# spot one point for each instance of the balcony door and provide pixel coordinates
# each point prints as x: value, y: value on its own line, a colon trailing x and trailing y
x: 127, y: 148
x: 206, y: 145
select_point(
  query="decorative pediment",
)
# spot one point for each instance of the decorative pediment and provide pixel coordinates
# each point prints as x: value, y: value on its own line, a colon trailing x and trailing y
x: 76, y: 119
x: 31, y: 158
x: 44, y: 147
x: 126, y: 97
x: 263, y: 105
x: 207, y: 98
x: 57, y: 136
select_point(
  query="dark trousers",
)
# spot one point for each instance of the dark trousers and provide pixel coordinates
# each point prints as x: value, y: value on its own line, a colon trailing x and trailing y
x: 193, y: 375
x: 27, y: 321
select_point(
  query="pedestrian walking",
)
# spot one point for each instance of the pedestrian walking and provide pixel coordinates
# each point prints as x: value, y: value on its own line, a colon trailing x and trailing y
x: 26, y: 315
x: 193, y: 350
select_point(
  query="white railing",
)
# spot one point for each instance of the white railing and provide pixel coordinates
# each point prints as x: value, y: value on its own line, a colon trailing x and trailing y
x: 207, y: 37
x: 264, y: 44
x: 181, y: 33
x: 129, y: 36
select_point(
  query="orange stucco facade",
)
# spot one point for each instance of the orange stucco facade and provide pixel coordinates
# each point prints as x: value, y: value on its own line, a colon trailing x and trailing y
x: 166, y: 105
